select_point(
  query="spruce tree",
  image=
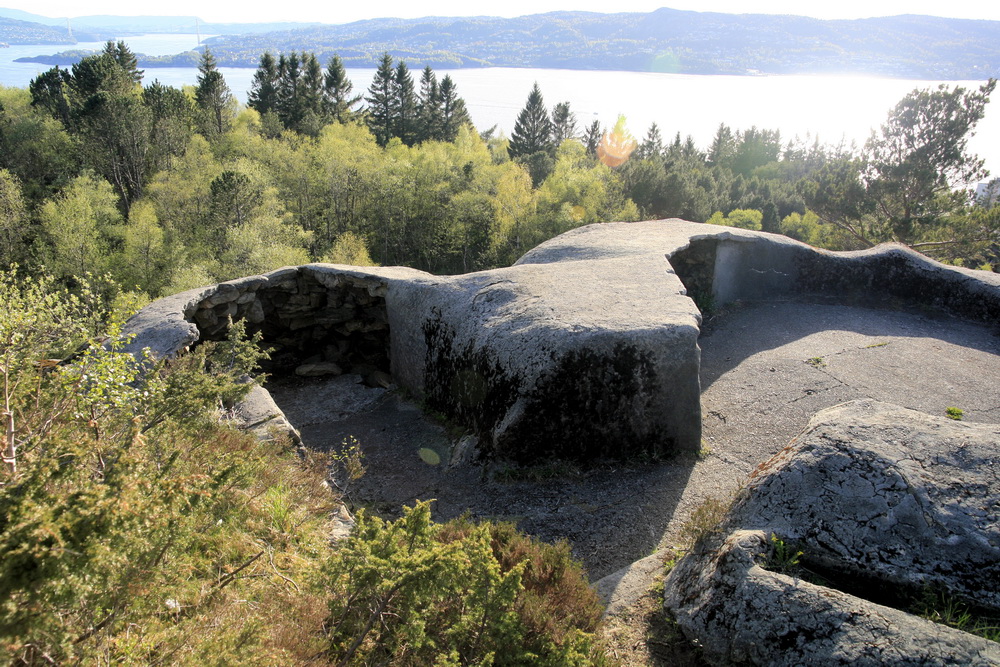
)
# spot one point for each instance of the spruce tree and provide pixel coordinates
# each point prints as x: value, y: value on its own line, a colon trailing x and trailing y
x: 429, y: 116
x: 381, y: 101
x: 532, y: 129
x: 212, y: 94
x: 592, y: 137
x: 337, y: 91
x: 263, y: 96
x: 723, y: 149
x: 288, y: 104
x: 311, y: 102
x: 770, y: 220
x: 652, y: 146
x: 563, y: 123
x: 405, y: 113
x: 453, y: 112
x: 121, y: 54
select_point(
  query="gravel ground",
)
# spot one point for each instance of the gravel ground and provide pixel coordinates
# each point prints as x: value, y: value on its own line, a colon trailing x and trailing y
x: 766, y: 369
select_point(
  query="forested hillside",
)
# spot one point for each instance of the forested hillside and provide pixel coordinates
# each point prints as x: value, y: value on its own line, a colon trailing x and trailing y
x: 20, y: 27
x: 14, y: 31
x: 665, y: 40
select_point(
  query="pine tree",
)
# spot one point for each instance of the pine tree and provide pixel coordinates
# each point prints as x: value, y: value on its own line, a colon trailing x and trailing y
x: 429, y: 114
x: 563, y: 123
x: 337, y: 91
x: 405, y: 121
x: 212, y: 94
x: 532, y: 129
x: 453, y: 112
x: 50, y: 90
x: 263, y: 96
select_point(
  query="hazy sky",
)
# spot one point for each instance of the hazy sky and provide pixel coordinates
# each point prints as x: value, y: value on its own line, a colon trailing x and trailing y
x: 343, y: 12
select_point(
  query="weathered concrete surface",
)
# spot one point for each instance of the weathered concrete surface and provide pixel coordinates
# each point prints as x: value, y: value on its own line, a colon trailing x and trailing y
x: 586, y: 348
x: 257, y: 413
x: 741, y: 613
x: 885, y: 502
x: 879, y: 491
x: 732, y: 264
x: 573, y: 359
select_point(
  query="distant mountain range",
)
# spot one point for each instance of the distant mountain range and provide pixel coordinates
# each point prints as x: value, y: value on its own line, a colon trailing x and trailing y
x: 665, y: 40
x: 85, y: 28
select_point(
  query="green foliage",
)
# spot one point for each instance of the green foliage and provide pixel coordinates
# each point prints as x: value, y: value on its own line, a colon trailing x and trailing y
x: 942, y: 607
x: 742, y: 218
x: 134, y: 527
x: 301, y: 177
x: 412, y: 592
x: 213, y: 97
x: 82, y: 225
x: 920, y: 153
x: 954, y: 413
x: 532, y: 128
x: 350, y: 249
x: 908, y: 184
x: 783, y: 557
x: 12, y: 220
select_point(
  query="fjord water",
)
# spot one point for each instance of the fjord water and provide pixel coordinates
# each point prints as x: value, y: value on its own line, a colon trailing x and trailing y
x: 832, y: 107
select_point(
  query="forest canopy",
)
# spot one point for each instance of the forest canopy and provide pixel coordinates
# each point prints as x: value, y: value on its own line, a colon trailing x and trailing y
x: 164, y: 189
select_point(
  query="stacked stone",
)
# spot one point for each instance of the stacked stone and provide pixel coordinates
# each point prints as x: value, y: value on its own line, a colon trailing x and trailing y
x: 313, y: 328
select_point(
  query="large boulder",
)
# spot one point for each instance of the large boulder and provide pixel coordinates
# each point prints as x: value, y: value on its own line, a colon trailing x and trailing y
x: 886, y: 504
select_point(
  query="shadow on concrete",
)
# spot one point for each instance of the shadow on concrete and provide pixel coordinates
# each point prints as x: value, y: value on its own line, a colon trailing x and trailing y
x: 611, y: 513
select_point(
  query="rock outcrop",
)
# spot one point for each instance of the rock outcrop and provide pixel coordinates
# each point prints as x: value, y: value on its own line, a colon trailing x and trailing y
x: 886, y: 504
x: 586, y: 348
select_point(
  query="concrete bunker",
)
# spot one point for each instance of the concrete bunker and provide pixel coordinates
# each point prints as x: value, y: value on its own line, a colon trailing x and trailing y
x: 590, y: 338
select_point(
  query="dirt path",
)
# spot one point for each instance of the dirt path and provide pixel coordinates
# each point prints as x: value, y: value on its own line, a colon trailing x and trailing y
x: 766, y: 369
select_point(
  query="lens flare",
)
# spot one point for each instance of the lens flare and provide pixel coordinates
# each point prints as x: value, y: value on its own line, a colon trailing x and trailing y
x: 617, y: 145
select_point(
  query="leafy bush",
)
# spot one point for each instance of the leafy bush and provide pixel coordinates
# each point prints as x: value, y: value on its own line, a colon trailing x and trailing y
x: 412, y: 592
x: 134, y: 526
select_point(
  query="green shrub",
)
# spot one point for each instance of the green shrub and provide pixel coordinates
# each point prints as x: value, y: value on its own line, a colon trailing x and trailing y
x: 134, y: 527
x: 412, y: 592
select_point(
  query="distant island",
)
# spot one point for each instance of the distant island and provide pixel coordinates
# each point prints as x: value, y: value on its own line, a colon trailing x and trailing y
x: 666, y: 40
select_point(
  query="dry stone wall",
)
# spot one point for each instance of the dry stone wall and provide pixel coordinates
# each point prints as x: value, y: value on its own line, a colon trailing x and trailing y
x: 311, y: 327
